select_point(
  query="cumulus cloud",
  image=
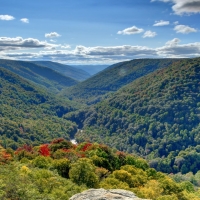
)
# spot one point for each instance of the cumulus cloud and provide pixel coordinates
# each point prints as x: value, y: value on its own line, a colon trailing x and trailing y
x: 52, y: 35
x: 161, y: 23
x: 130, y: 31
x: 6, y: 17
x: 24, y: 20
x: 184, y: 6
x: 149, y: 34
x: 173, y: 42
x: 184, y: 29
x: 7, y: 43
x: 174, y: 49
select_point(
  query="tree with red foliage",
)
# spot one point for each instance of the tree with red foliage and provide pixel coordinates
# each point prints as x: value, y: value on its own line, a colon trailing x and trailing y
x: 86, y: 146
x: 44, y: 150
x: 5, y: 157
x: 25, y: 147
x: 60, y: 143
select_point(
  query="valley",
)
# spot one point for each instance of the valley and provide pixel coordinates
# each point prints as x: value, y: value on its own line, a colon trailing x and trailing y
x: 151, y: 111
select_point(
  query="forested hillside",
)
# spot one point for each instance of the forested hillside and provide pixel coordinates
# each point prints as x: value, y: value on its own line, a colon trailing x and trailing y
x: 29, y: 114
x: 43, y: 76
x: 69, y: 71
x: 60, y: 169
x: 156, y: 116
x: 113, y: 78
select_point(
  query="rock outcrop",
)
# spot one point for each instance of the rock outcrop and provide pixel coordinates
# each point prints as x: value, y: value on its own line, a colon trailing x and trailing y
x: 102, y: 194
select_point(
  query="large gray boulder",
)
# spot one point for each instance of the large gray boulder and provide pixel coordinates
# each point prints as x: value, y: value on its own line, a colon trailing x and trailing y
x: 102, y: 194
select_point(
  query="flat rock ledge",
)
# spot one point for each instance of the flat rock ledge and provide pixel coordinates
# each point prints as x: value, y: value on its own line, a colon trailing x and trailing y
x: 102, y: 194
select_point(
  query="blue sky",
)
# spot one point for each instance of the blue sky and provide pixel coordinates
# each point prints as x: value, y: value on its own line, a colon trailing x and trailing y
x: 98, y: 32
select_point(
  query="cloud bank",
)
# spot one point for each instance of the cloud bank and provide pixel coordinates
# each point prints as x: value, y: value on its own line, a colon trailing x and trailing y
x: 19, y: 48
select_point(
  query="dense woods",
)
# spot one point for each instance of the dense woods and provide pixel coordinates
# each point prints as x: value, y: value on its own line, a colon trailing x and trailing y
x: 156, y: 116
x: 60, y: 169
x: 112, y: 78
x: 29, y: 114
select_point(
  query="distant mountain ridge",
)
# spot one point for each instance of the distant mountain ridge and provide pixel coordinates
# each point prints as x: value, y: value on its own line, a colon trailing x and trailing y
x: 69, y: 71
x: 112, y: 78
x: 40, y: 75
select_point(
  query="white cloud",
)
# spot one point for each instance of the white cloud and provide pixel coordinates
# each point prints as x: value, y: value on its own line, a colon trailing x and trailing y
x: 52, y: 35
x: 24, y: 20
x: 175, y: 50
x: 149, y: 34
x: 184, y: 29
x: 184, y: 6
x: 161, y: 23
x: 130, y: 31
x: 173, y: 42
x: 6, y: 17
x: 7, y: 43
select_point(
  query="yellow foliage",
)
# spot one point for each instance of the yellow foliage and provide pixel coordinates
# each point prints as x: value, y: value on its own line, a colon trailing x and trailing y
x: 138, y: 175
x: 168, y: 197
x: 126, y: 177
x: 192, y: 196
x: 151, y: 190
x: 101, y: 172
x: 25, y: 170
x: 113, y: 183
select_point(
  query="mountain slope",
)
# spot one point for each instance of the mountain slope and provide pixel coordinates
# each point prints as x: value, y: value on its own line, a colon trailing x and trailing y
x: 155, y: 116
x: 113, y: 78
x: 28, y: 114
x: 40, y: 75
x: 69, y: 71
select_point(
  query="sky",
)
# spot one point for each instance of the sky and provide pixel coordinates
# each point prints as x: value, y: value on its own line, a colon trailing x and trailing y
x: 98, y: 31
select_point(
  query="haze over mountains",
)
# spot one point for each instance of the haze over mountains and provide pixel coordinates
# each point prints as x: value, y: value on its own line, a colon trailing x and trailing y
x: 69, y: 71
x: 91, y: 69
x: 38, y: 74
